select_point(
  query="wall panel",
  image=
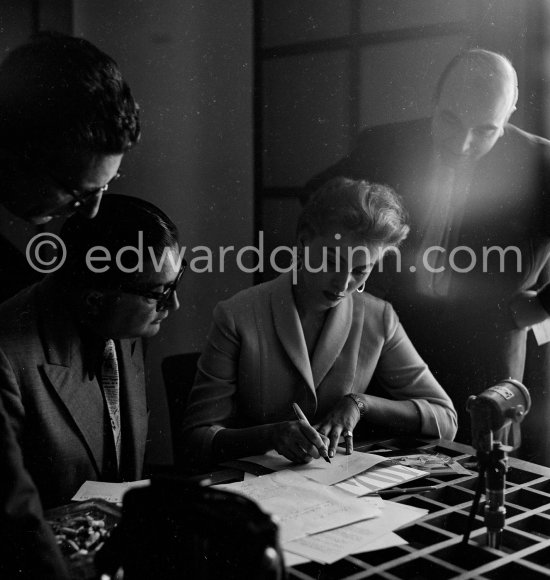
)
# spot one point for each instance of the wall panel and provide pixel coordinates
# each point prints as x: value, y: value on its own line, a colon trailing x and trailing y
x: 306, y: 117
x: 398, y: 79
x: 378, y: 15
x: 288, y: 21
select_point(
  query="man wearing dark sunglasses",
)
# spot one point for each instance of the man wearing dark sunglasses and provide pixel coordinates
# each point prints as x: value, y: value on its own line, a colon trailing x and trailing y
x: 57, y: 336
x: 66, y: 118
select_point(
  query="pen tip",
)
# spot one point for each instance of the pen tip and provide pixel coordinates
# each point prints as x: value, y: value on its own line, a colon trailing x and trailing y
x: 326, y: 458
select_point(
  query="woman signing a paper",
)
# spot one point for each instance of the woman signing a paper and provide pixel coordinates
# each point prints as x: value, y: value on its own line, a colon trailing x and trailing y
x: 313, y: 337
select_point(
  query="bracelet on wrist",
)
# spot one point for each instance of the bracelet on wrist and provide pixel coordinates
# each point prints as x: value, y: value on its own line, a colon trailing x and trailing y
x: 361, y: 406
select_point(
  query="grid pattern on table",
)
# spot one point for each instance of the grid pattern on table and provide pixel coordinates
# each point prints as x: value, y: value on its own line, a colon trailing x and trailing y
x: 435, y: 548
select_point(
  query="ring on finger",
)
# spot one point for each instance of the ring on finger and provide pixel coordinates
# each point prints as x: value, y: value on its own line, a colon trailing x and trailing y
x: 347, y: 433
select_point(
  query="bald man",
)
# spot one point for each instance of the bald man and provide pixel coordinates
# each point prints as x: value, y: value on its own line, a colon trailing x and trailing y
x: 467, y: 284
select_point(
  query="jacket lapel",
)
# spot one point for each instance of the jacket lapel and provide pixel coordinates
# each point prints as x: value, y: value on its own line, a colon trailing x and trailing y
x: 65, y: 369
x: 288, y: 327
x: 84, y: 404
x: 133, y: 408
x: 333, y: 337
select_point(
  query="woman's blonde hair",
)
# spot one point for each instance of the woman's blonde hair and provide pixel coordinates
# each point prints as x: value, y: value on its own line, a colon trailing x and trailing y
x: 371, y: 211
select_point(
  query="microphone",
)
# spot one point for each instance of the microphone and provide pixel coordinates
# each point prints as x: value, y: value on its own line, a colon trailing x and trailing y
x: 494, y: 409
x: 491, y: 412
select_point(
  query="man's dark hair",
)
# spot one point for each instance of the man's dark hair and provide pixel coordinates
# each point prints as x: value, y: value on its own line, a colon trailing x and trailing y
x: 60, y: 93
x: 120, y: 222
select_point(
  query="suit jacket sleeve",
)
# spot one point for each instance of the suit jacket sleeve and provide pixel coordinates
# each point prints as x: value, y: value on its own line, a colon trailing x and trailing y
x: 210, y: 405
x: 405, y: 376
x: 28, y: 545
x: 543, y: 282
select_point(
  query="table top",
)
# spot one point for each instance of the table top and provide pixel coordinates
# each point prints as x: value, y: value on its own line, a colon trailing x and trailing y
x: 435, y: 548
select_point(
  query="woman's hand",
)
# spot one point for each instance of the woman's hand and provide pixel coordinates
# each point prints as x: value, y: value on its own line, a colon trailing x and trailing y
x: 297, y: 441
x: 342, y: 419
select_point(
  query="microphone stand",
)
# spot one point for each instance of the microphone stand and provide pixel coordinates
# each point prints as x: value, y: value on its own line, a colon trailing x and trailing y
x: 493, y: 466
x: 491, y: 413
x: 496, y: 466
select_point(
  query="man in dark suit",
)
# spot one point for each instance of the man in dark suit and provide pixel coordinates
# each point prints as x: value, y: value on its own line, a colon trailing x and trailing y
x: 477, y: 189
x: 28, y: 548
x: 66, y: 118
x: 71, y: 360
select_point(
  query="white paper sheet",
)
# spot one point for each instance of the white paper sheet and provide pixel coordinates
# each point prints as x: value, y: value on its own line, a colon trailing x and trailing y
x: 373, y: 534
x: 541, y: 331
x: 342, y: 466
x: 108, y: 491
x: 380, y: 477
x: 293, y: 559
x: 395, y: 515
x: 389, y: 540
x: 302, y: 506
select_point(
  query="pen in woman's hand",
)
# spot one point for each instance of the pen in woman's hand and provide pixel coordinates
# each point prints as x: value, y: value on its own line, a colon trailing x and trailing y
x: 301, y: 417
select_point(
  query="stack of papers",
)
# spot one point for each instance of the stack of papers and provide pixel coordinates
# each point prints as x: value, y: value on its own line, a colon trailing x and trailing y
x: 342, y: 466
x: 324, y: 522
x: 358, y: 473
x: 374, y: 534
x: 301, y: 506
x: 318, y: 506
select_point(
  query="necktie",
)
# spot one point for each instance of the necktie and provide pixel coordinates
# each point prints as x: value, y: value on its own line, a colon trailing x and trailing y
x: 110, y: 384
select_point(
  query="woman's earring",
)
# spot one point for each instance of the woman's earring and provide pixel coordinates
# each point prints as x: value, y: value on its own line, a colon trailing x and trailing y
x: 361, y: 288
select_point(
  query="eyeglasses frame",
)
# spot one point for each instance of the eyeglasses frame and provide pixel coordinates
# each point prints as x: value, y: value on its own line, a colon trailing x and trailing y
x: 164, y: 297
x: 79, y: 197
